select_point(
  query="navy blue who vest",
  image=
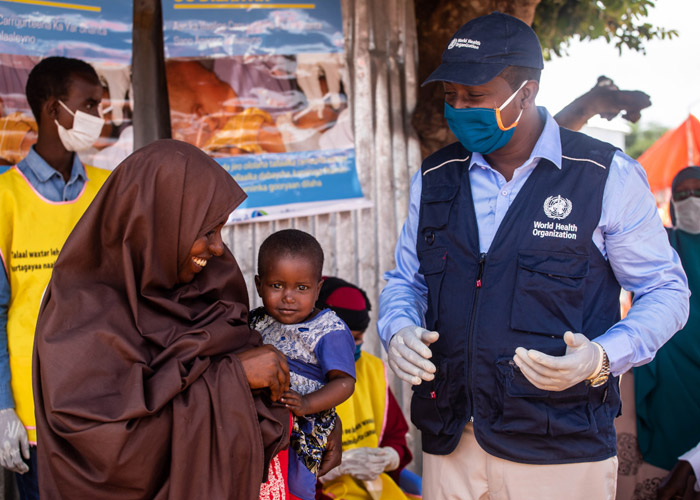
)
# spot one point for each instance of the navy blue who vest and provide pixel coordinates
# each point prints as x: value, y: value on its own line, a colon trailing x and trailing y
x: 542, y: 276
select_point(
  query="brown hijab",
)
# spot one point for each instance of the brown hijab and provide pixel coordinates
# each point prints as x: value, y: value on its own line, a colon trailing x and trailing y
x: 138, y: 392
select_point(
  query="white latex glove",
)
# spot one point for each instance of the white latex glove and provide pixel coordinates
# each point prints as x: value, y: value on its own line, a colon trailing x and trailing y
x: 582, y: 360
x: 331, y: 475
x: 364, y: 463
x: 409, y: 354
x: 13, y: 439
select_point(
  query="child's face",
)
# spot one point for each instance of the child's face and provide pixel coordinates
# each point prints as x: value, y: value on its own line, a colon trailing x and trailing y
x: 289, y: 288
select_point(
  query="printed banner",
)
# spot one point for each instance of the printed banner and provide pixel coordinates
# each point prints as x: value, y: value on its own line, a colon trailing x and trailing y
x: 211, y: 28
x: 273, y: 111
x: 94, y: 30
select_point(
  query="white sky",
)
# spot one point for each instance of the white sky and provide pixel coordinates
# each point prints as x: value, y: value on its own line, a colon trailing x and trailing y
x: 669, y: 72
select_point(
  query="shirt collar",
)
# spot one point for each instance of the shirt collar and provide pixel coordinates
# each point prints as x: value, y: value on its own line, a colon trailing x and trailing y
x: 548, y: 145
x: 44, y: 171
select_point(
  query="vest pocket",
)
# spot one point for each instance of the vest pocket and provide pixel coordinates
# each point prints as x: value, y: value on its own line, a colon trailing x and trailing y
x: 436, y: 202
x: 548, y: 296
x: 529, y: 410
x: 432, y: 266
x: 431, y: 411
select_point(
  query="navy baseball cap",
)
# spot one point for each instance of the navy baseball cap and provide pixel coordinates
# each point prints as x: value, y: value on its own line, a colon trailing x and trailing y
x: 484, y: 46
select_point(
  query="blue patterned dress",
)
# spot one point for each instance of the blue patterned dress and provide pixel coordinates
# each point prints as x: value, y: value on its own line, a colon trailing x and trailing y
x: 313, y: 348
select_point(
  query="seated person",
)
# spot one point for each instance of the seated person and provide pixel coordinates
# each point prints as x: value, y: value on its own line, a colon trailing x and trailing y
x: 661, y: 412
x: 374, y: 428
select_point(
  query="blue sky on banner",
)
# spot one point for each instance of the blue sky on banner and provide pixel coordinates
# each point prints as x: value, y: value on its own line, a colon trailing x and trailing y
x: 195, y: 28
x: 94, y: 30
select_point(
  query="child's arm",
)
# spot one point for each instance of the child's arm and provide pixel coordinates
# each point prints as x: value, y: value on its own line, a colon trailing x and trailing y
x: 340, y: 387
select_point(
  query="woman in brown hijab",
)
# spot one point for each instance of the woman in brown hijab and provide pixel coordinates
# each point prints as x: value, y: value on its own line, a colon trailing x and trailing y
x: 148, y: 382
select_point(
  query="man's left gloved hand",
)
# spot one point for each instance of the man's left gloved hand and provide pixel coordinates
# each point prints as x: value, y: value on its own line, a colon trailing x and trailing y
x: 364, y: 463
x: 582, y: 360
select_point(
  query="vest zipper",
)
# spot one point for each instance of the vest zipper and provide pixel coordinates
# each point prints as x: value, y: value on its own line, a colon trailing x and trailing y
x: 470, y: 336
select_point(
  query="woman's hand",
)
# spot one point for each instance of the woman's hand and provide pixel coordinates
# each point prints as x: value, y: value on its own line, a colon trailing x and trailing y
x: 334, y: 449
x: 265, y: 366
x: 679, y: 484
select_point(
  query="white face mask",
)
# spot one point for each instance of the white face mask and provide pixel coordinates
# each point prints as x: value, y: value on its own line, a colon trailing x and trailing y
x: 86, y: 129
x: 688, y: 214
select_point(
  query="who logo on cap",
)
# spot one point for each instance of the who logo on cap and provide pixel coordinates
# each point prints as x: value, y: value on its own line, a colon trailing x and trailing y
x: 484, y: 47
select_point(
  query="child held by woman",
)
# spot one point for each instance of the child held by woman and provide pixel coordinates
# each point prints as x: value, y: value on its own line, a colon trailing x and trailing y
x: 318, y: 345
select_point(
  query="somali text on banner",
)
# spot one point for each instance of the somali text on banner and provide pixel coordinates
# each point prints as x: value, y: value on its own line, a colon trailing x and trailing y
x: 93, y: 30
x: 310, y: 176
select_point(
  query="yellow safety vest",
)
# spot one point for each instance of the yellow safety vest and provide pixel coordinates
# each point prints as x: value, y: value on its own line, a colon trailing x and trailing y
x: 33, y: 231
x: 363, y: 417
x: 363, y: 414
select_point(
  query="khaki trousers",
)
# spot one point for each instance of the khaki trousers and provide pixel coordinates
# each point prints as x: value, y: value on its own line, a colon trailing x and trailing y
x: 469, y: 473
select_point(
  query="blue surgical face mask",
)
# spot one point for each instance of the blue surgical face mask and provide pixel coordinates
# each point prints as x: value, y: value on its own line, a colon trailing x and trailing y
x: 358, y: 351
x: 480, y: 130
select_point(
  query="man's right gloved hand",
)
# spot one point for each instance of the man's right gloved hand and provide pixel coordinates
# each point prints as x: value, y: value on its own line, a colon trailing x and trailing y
x: 409, y: 354
x: 13, y: 440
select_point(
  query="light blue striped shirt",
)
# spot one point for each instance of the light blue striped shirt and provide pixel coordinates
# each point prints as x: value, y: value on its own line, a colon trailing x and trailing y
x: 629, y: 235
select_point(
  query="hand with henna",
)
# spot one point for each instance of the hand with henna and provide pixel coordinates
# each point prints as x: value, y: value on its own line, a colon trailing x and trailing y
x: 266, y: 367
x: 679, y: 484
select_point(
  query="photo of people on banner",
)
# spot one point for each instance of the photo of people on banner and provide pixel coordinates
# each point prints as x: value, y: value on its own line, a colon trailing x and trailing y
x: 278, y: 105
x: 265, y: 93
x: 259, y: 104
x: 280, y: 125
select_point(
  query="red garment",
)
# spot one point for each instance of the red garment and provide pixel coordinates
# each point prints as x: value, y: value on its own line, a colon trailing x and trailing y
x: 395, y: 430
x: 276, y: 487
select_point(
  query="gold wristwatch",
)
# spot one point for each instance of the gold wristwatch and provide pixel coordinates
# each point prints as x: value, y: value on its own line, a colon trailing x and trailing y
x: 604, y: 373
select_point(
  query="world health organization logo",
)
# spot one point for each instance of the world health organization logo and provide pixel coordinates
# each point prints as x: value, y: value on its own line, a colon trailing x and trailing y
x: 556, y: 207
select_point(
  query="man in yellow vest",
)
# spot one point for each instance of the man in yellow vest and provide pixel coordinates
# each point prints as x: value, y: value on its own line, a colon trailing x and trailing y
x: 374, y: 428
x: 41, y: 200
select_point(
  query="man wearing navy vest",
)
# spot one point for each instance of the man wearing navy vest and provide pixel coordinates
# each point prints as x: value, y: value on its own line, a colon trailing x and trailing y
x: 503, y: 309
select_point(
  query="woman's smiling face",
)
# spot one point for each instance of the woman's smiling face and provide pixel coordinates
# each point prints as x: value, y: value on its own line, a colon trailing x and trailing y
x: 204, y: 248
